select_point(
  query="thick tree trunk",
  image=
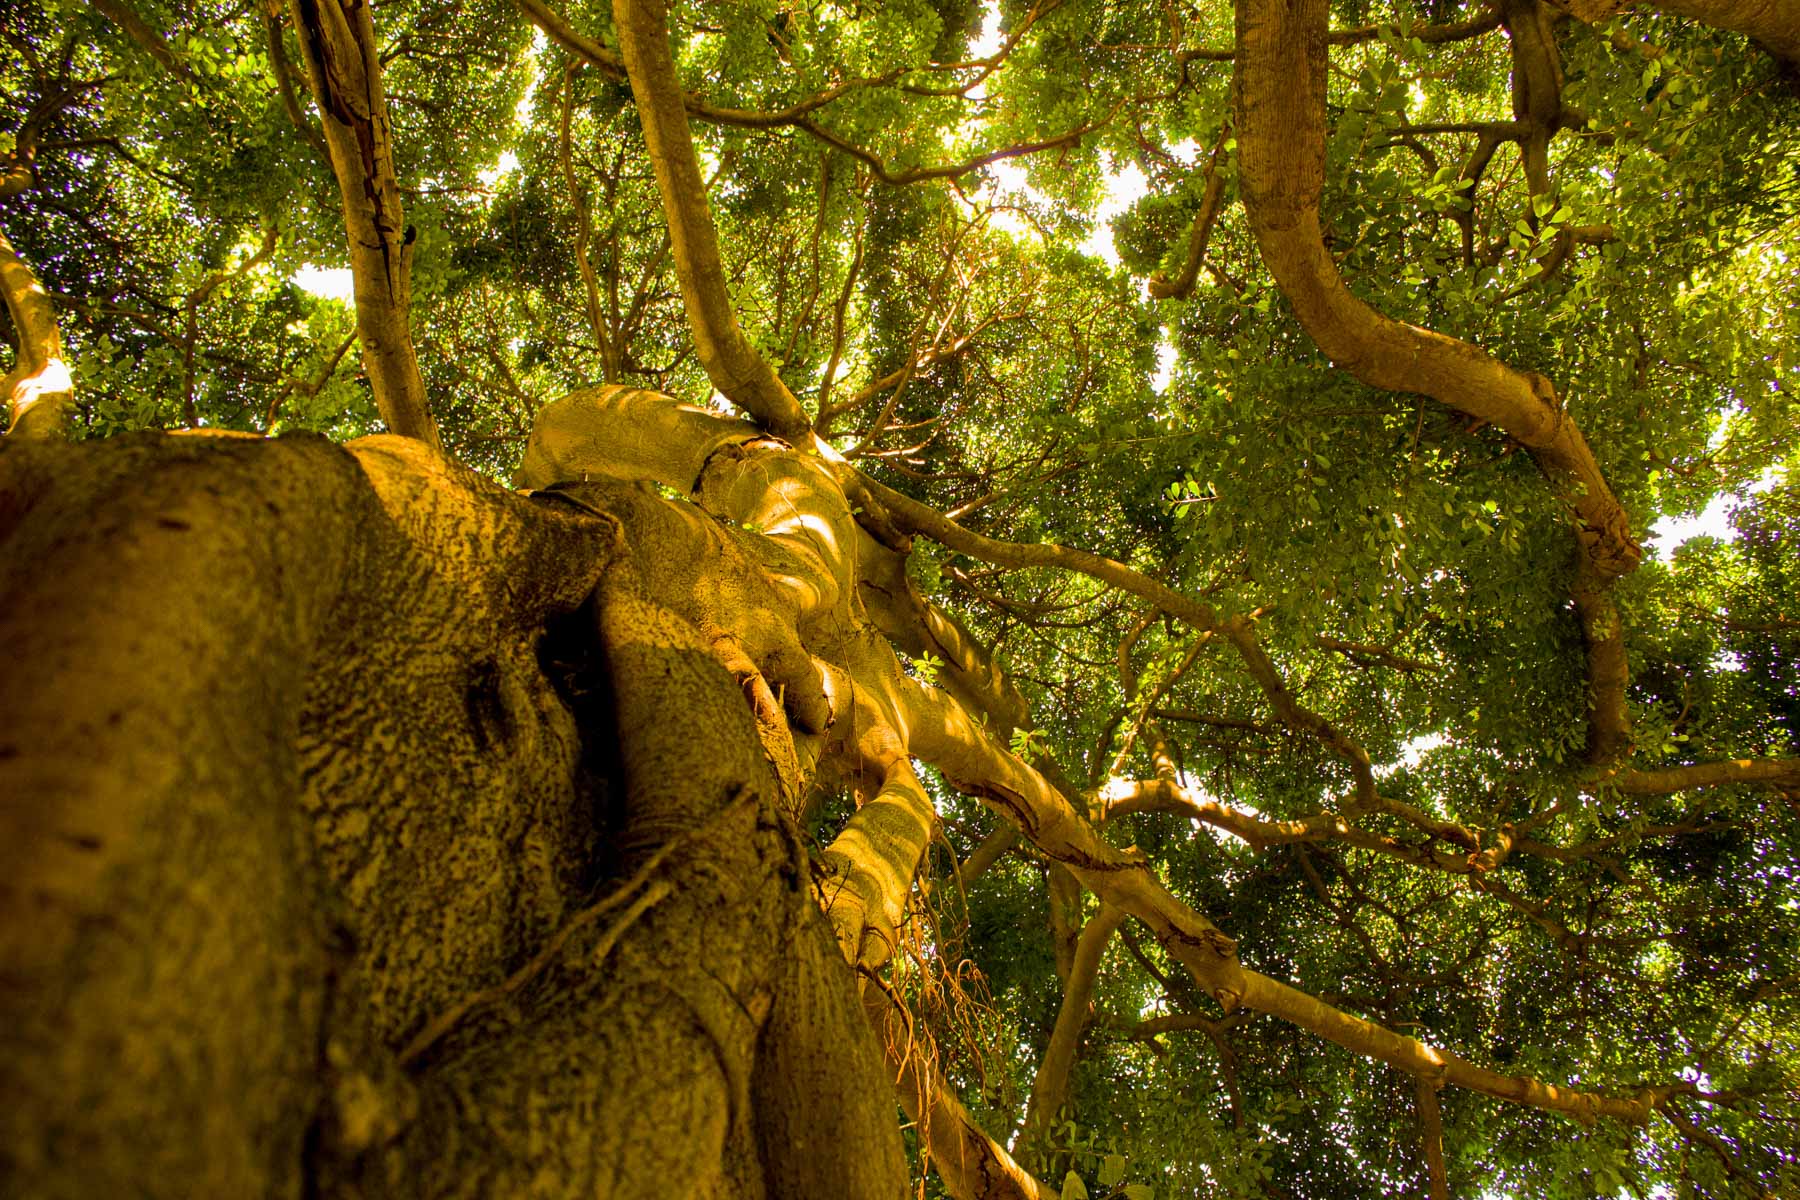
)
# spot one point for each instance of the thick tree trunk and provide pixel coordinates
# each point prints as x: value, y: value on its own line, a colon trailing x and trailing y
x: 356, y: 843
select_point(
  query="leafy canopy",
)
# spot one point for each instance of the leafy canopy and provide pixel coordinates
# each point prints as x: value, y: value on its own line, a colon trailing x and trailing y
x: 955, y: 333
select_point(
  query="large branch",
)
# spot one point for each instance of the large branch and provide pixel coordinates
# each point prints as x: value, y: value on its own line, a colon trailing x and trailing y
x: 1772, y: 24
x: 1281, y: 142
x: 871, y: 865
x: 881, y: 717
x: 1440, y: 1066
x: 741, y: 374
x: 1780, y: 773
x: 39, y: 386
x: 1281, y: 129
x: 337, y: 39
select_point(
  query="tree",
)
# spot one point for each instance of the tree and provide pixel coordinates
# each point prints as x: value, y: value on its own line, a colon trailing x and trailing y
x: 1200, y: 724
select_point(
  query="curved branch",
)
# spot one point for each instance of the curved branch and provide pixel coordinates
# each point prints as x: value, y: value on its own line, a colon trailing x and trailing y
x: 1281, y: 131
x: 740, y: 373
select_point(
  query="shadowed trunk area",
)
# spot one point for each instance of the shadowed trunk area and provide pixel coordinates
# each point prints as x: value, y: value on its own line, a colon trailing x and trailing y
x: 371, y: 830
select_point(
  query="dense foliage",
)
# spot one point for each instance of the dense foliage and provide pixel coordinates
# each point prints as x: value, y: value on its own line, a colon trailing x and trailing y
x: 969, y: 266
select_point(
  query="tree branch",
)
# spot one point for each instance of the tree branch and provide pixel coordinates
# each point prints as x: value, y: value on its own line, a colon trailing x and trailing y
x: 1050, y: 1088
x: 337, y: 39
x: 740, y: 373
x: 1281, y: 130
x: 1780, y: 773
x: 39, y: 387
x: 150, y: 41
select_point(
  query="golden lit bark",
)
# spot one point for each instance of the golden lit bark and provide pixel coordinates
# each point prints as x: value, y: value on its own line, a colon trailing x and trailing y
x: 39, y: 387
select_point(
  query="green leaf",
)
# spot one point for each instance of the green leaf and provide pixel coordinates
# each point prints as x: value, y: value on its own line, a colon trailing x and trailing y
x: 1073, y: 1188
x: 1112, y: 1170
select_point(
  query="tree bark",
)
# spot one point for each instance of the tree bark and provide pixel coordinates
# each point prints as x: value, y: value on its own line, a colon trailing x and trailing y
x: 1050, y: 1088
x: 297, y: 864
x: 1281, y: 135
x: 337, y: 39
x: 1772, y: 24
x: 39, y: 388
x: 741, y: 374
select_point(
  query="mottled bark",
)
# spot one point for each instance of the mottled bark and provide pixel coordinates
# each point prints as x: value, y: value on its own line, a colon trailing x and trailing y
x: 353, y: 798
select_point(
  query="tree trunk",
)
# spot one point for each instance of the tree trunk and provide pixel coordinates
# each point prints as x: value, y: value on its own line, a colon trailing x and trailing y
x: 372, y: 830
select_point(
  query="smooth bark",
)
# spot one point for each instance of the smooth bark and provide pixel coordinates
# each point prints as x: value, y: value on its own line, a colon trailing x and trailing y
x: 39, y: 387
x: 337, y: 40
x: 1281, y: 137
x: 741, y: 374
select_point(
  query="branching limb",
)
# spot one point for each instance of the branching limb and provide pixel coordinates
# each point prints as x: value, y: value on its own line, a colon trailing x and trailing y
x: 1281, y: 123
x: 1281, y: 130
